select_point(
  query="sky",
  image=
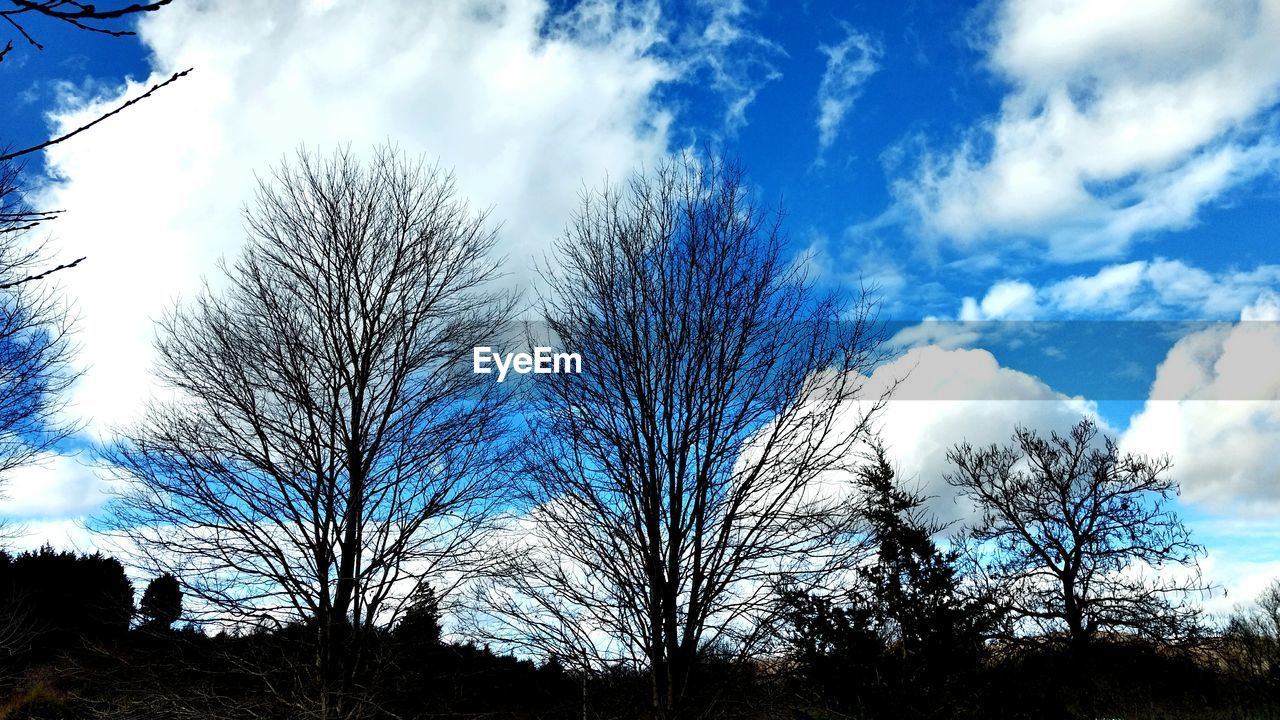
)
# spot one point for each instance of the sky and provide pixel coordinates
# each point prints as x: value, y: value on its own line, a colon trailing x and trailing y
x: 1066, y: 207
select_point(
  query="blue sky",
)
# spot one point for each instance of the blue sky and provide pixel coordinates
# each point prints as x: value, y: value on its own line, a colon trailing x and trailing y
x: 1002, y: 161
x: 931, y: 88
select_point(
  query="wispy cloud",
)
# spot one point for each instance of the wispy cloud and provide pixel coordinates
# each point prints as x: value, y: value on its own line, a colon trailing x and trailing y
x: 738, y: 60
x: 849, y: 64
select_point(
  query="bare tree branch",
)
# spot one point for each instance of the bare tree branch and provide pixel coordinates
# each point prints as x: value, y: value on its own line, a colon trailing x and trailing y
x: 121, y: 108
x: 76, y: 14
x: 35, y: 345
x: 41, y: 275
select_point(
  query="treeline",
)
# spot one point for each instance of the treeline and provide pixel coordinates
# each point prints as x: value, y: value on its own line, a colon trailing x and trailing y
x: 901, y: 642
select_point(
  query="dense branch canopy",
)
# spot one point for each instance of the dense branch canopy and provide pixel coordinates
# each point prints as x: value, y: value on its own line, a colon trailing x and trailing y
x: 1079, y: 537
x: 675, y: 483
x: 325, y: 446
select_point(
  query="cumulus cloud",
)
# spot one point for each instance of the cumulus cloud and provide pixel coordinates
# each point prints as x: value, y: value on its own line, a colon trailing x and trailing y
x: 849, y: 64
x: 1120, y: 119
x: 1143, y: 289
x: 949, y: 396
x: 525, y: 102
x: 526, y: 105
x: 1006, y: 300
x: 1217, y: 413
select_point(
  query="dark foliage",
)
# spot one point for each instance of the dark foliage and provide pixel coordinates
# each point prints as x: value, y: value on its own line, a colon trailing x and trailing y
x: 908, y: 643
x: 63, y: 601
x: 1252, y: 643
x: 420, y: 624
x: 161, y: 603
x: 1116, y: 677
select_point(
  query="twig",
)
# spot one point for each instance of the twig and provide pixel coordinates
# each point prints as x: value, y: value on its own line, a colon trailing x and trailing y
x: 46, y: 273
x: 22, y: 31
x: 82, y: 128
x: 87, y: 12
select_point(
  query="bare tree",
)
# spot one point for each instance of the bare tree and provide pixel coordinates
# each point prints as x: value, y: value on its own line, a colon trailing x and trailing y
x: 688, y: 471
x: 35, y: 348
x: 327, y: 447
x: 1078, y: 537
x: 1253, y: 638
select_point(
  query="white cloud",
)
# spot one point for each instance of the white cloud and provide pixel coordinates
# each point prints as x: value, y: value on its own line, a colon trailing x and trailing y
x: 1143, y: 289
x: 61, y: 534
x: 849, y: 64
x: 947, y: 397
x: 1265, y: 309
x: 52, y: 486
x: 738, y: 60
x: 1240, y: 559
x: 524, y: 107
x: 1242, y: 580
x: 1006, y: 300
x: 1216, y: 412
x: 1109, y: 290
x: 1121, y: 119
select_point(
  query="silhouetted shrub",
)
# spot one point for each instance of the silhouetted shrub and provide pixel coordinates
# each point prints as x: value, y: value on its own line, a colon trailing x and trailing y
x: 65, y: 600
x: 161, y: 604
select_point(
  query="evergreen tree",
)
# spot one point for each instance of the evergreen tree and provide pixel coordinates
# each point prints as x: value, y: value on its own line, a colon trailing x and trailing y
x: 908, y: 640
x: 913, y: 597
x: 420, y: 624
x: 63, y: 600
x: 161, y: 604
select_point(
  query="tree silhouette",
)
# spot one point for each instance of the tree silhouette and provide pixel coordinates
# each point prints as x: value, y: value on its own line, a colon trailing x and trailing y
x: 65, y: 599
x: 1077, y: 538
x: 161, y: 604
x: 420, y: 622
x: 908, y: 641
x: 328, y: 447
x: 671, y: 485
x: 1254, y: 634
